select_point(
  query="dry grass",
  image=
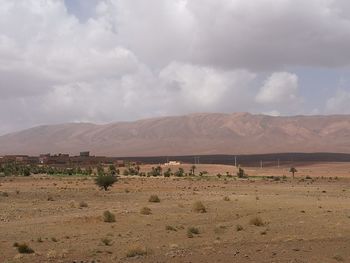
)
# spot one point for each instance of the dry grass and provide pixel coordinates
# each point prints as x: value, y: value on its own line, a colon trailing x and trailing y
x: 146, y: 211
x: 154, y: 199
x: 192, y: 231
x: 83, y: 204
x: 108, y: 217
x: 199, y: 207
x: 257, y: 221
x: 170, y: 228
x: 136, y: 251
x: 226, y: 198
x: 239, y: 228
x: 106, y: 241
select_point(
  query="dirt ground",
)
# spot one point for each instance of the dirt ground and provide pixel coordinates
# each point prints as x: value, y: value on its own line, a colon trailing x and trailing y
x: 303, y: 220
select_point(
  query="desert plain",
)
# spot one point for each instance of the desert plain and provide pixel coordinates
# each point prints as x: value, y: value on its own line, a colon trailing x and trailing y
x: 265, y: 218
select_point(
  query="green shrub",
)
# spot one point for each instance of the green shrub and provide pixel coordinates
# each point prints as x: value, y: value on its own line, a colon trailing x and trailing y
x: 106, y: 241
x: 24, y: 249
x: 146, y: 211
x: 4, y: 194
x: 257, y: 221
x: 83, y: 204
x: 108, y: 217
x: 170, y: 228
x: 136, y: 251
x: 199, y: 207
x: 239, y: 228
x: 154, y: 199
x: 105, y: 181
x: 241, y: 173
x: 192, y: 231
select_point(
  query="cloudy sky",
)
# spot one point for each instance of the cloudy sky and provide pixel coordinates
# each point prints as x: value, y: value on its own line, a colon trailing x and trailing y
x: 116, y: 60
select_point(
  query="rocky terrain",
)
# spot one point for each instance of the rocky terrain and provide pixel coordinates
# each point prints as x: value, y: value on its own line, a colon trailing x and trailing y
x: 236, y: 133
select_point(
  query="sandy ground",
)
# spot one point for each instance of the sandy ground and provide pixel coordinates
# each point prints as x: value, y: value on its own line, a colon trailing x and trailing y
x: 304, y: 220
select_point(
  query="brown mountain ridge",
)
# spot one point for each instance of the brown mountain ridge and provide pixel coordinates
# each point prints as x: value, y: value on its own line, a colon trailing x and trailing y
x: 202, y: 133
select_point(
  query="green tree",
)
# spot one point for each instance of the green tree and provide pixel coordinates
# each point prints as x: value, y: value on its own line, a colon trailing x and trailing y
x: 105, y: 181
x: 112, y: 169
x: 180, y: 172
x: 26, y: 171
x: 167, y: 173
x: 89, y: 170
x: 293, y: 171
x: 193, y: 168
x: 241, y: 173
x: 100, y: 170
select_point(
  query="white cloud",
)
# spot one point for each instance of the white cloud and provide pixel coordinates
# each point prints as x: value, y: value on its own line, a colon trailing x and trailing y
x: 134, y: 59
x: 204, y: 87
x: 339, y: 103
x: 269, y: 34
x: 280, y: 87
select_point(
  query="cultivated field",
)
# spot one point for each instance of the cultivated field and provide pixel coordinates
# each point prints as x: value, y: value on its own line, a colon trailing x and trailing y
x: 246, y: 220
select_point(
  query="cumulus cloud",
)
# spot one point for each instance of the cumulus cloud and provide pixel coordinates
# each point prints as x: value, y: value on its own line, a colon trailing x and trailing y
x: 339, y: 103
x: 110, y: 60
x: 280, y: 87
x: 268, y: 34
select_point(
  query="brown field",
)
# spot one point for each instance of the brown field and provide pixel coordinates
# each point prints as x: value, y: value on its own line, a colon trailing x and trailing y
x: 302, y: 220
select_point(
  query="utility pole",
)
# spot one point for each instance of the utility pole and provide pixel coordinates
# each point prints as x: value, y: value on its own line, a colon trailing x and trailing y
x: 235, y: 161
x: 278, y: 163
x: 196, y: 159
x: 261, y: 164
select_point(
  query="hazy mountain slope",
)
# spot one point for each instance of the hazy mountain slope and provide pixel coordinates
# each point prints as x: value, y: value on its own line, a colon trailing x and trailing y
x: 191, y: 134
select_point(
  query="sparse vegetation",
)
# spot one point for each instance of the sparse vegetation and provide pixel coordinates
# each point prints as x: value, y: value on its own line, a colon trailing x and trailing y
x: 199, y: 207
x: 108, y: 217
x: 4, y: 194
x: 293, y: 171
x: 192, y: 231
x: 239, y: 228
x: 83, y: 204
x: 105, y: 181
x: 170, y: 228
x: 241, y: 173
x: 156, y: 171
x: 136, y: 251
x: 167, y: 173
x: 106, y: 241
x: 24, y: 249
x: 338, y: 258
x: 192, y: 170
x: 220, y: 229
x: 146, y: 211
x: 154, y: 199
x: 180, y: 172
x: 257, y: 221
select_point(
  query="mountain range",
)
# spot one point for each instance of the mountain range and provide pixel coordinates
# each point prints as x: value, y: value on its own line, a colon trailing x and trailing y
x: 201, y: 133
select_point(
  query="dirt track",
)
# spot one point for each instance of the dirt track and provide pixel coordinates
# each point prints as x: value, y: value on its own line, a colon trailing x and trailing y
x: 304, y: 220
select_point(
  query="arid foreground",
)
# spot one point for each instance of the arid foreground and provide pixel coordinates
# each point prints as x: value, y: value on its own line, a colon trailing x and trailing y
x: 246, y: 220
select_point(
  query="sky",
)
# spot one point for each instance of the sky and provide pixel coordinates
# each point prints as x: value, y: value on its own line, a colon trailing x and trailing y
x: 105, y: 61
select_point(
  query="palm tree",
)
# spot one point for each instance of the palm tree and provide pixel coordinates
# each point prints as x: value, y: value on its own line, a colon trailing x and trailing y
x: 293, y: 171
x: 193, y: 168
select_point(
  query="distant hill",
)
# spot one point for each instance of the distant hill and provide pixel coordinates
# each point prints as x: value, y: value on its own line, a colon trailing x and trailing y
x: 204, y: 134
